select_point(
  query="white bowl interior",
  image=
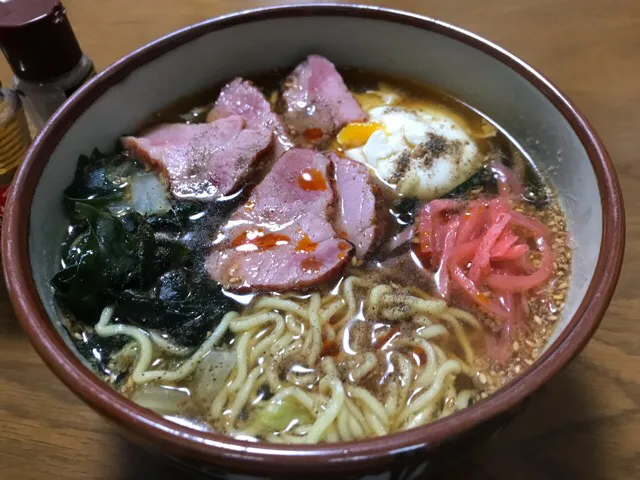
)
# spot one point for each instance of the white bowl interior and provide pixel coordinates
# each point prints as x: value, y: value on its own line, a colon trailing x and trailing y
x: 466, y: 72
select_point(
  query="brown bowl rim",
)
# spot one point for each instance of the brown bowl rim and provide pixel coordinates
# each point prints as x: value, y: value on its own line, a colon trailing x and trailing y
x: 226, y: 452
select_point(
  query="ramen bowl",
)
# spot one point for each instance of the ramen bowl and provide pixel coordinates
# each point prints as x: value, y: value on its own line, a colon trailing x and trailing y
x: 534, y: 112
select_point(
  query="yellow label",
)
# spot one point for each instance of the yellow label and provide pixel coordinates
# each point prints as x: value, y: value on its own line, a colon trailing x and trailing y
x: 14, y: 137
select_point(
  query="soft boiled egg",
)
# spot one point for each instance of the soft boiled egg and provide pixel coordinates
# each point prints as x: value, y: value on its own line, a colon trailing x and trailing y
x: 420, y: 154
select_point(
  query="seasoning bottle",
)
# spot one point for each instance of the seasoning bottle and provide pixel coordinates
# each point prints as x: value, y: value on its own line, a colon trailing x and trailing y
x: 14, y: 140
x: 44, y: 54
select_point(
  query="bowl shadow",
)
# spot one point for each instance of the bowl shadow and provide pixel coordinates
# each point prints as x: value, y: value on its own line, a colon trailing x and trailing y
x: 553, y: 438
x: 136, y: 463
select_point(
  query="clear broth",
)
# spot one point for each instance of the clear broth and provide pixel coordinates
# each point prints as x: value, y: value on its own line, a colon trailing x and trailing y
x: 403, y: 270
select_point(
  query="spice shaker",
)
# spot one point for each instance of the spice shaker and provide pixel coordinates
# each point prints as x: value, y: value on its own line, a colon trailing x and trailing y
x: 44, y: 54
x: 14, y: 140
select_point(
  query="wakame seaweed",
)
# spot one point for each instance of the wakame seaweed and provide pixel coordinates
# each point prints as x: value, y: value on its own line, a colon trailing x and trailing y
x: 101, y: 180
x: 404, y: 209
x: 180, y: 305
x: 149, y: 267
x: 482, y: 178
x: 98, y: 351
x: 109, y: 253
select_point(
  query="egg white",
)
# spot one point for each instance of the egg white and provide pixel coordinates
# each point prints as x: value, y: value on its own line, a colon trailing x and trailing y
x: 420, y: 154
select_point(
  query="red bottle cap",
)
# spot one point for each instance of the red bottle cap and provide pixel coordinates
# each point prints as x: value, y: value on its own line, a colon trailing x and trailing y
x: 37, y: 39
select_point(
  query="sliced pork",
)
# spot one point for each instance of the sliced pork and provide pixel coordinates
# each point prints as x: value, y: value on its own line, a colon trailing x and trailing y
x: 282, y: 239
x: 317, y: 101
x: 203, y: 161
x: 355, y: 215
x: 242, y: 97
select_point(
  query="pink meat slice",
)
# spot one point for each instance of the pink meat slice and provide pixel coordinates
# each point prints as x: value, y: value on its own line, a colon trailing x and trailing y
x: 355, y: 215
x: 282, y: 239
x: 317, y: 100
x: 241, y: 97
x: 203, y: 161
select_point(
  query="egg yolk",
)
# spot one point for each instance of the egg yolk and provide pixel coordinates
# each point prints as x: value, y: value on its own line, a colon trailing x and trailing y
x: 356, y: 134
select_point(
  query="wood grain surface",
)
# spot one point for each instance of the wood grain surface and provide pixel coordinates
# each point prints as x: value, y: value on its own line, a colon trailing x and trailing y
x: 585, y: 424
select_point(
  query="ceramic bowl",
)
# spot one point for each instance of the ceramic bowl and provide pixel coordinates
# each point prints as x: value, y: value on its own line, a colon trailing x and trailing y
x: 534, y: 112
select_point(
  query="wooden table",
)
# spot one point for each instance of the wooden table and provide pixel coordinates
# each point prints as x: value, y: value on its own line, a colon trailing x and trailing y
x: 586, y: 422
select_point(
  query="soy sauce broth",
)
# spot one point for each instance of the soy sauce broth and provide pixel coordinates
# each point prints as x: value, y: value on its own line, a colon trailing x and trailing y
x: 404, y: 269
